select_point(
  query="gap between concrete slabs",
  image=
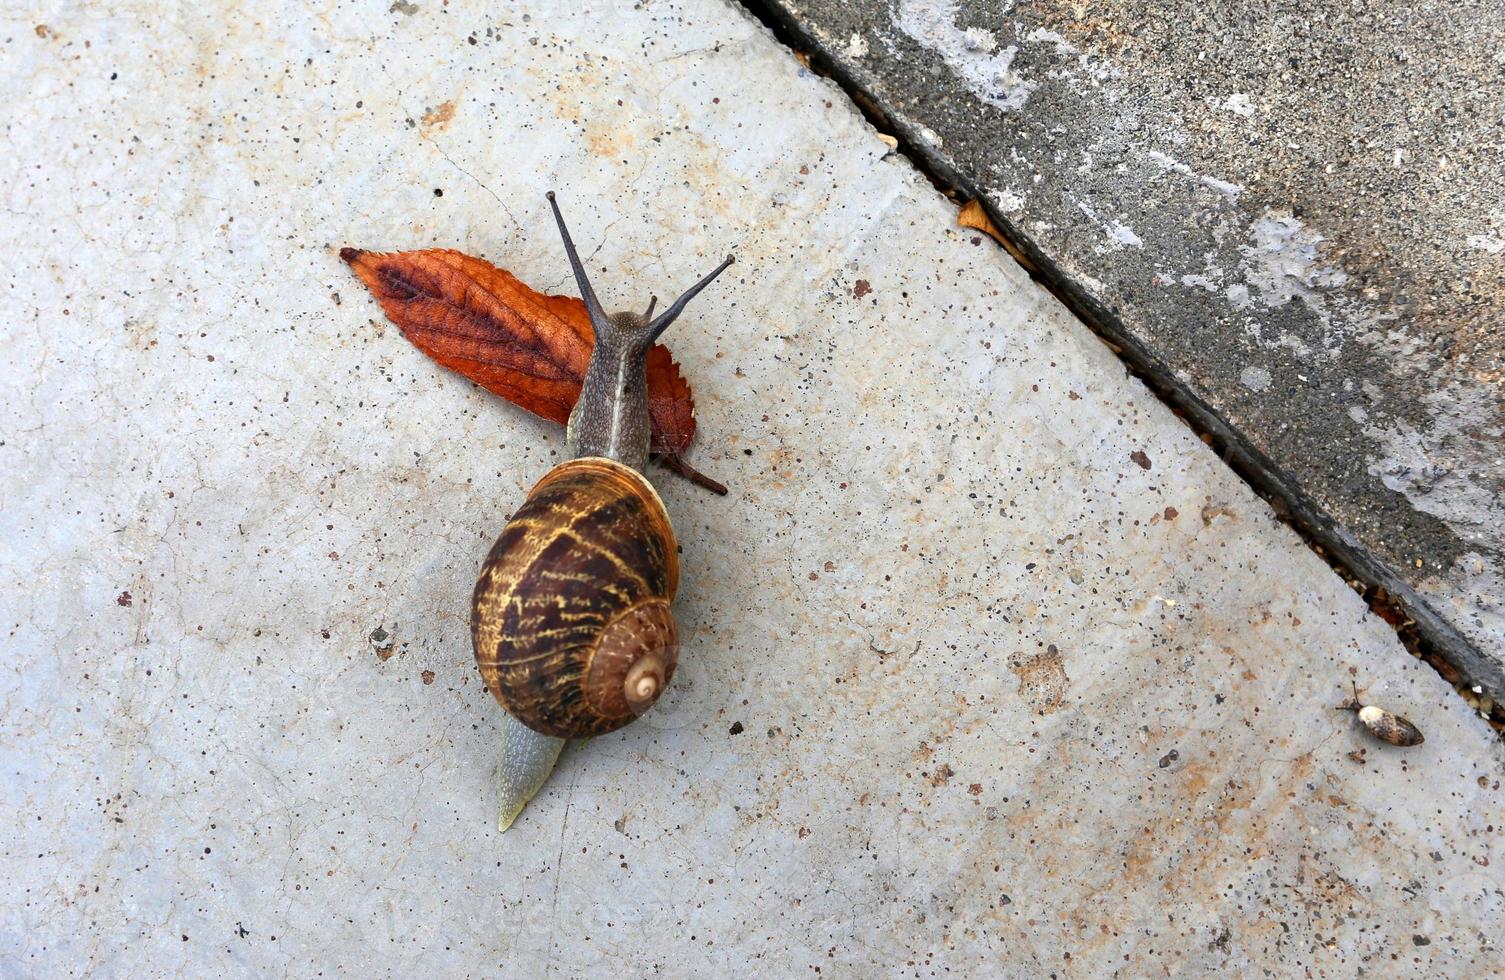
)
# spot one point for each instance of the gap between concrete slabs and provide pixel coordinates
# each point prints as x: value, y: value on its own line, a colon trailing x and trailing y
x: 1429, y: 497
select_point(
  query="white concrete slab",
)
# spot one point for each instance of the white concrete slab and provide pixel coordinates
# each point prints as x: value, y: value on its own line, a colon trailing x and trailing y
x: 1004, y: 699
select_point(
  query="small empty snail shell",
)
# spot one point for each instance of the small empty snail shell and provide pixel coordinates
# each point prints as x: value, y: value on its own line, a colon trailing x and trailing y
x: 571, y: 620
x: 1387, y: 726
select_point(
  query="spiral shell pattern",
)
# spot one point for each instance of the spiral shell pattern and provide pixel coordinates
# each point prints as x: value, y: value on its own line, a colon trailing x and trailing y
x: 570, y: 617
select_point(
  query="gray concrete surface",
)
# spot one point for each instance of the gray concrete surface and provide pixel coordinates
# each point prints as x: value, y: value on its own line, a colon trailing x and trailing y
x: 990, y: 666
x: 1292, y: 213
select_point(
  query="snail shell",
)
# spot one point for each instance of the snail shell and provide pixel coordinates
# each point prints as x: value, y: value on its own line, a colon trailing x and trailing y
x: 1387, y: 726
x: 570, y: 617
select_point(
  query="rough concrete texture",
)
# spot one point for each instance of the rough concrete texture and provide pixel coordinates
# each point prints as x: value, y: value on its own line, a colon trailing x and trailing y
x: 990, y: 666
x: 1290, y: 212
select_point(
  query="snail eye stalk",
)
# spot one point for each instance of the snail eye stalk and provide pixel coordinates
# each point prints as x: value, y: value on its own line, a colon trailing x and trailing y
x: 677, y: 307
x: 592, y: 305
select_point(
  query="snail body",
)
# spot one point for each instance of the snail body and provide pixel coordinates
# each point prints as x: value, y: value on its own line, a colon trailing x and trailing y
x: 570, y: 618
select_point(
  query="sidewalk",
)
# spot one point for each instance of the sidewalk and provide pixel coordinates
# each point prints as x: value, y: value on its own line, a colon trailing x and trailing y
x: 990, y: 666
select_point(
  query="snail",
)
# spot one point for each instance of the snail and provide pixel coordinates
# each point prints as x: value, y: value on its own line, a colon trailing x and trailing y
x: 1387, y: 726
x: 570, y: 618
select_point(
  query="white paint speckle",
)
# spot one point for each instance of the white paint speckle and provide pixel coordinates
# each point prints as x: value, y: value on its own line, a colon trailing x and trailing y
x: 856, y: 46
x: 1420, y: 461
x: 1008, y: 201
x: 1255, y: 378
x: 1226, y: 188
x: 979, y: 40
x: 1040, y: 34
x: 1117, y: 232
x: 971, y: 53
x: 1092, y: 68
x: 1284, y: 262
x: 1239, y: 104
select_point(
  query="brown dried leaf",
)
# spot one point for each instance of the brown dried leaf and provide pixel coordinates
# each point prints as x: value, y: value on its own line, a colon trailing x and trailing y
x: 974, y: 215
x: 529, y: 348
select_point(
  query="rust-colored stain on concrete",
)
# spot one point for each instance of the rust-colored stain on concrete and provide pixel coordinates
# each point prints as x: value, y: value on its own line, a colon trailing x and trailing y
x: 439, y: 117
x: 1042, y: 678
